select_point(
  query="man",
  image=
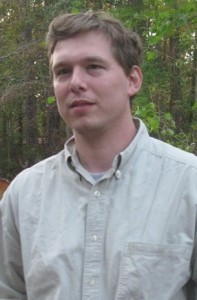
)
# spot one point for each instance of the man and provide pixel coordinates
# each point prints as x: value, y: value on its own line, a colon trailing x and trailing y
x: 112, y: 216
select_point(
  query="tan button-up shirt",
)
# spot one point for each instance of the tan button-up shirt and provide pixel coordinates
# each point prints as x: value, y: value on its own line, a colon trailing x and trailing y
x: 128, y: 236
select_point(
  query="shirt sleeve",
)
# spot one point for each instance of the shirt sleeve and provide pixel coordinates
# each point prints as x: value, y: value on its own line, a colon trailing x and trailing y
x: 12, y: 284
x: 192, y: 285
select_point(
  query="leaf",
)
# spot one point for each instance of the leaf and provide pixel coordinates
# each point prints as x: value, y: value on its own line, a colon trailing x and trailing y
x: 151, y: 55
x: 154, y: 124
x: 194, y: 107
x: 168, y: 116
x: 51, y: 100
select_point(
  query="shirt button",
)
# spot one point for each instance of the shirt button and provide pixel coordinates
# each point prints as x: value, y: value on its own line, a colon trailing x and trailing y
x: 97, y: 193
x: 92, y: 283
x: 94, y: 238
x: 118, y: 174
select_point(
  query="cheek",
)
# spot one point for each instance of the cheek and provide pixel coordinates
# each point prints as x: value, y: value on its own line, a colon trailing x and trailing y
x: 60, y: 96
x: 60, y: 90
x: 62, y: 109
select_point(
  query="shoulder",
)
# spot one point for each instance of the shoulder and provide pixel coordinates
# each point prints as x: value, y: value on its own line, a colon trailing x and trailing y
x: 43, y: 170
x: 168, y: 152
x: 162, y: 151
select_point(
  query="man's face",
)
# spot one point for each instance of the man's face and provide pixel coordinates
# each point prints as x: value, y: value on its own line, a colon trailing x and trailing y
x: 91, y: 88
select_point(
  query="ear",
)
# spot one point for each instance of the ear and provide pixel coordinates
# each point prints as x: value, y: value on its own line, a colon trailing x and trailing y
x: 135, y: 81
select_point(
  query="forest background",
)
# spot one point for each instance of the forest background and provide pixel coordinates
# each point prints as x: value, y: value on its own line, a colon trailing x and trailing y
x: 30, y: 126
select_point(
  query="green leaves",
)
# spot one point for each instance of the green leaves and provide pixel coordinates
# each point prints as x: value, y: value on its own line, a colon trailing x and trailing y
x: 24, y: 72
x: 149, y: 115
x: 151, y: 55
x: 51, y: 100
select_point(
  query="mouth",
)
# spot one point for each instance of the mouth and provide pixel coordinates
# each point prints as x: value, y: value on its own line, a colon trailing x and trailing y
x: 81, y: 103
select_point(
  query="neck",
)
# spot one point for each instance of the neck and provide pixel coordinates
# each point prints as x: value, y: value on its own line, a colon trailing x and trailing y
x: 97, y: 152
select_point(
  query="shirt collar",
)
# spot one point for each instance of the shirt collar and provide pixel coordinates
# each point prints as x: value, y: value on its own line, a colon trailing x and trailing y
x: 121, y: 159
x: 137, y: 144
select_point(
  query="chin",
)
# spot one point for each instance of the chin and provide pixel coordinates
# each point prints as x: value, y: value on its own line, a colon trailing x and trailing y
x: 88, y: 130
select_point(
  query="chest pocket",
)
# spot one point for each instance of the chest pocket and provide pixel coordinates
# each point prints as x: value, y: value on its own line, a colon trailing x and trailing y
x: 152, y: 272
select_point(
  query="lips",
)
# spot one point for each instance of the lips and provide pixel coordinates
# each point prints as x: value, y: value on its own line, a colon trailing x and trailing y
x: 81, y: 103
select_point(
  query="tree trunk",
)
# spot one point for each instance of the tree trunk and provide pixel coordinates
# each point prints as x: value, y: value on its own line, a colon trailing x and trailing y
x: 193, y: 92
x: 53, y: 131
x: 175, y: 82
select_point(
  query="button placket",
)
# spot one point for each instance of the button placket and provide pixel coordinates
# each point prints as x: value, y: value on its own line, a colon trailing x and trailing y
x: 93, y: 246
x: 118, y: 174
x: 97, y: 194
x: 92, y: 282
x: 94, y: 237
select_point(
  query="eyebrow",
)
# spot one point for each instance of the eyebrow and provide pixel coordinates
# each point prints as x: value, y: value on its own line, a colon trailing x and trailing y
x: 89, y: 59
x: 94, y: 59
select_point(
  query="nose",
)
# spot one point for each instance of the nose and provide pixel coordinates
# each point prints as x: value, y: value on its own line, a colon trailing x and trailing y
x: 78, y: 80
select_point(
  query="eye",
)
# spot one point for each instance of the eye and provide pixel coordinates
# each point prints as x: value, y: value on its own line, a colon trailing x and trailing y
x: 94, y: 66
x: 63, y: 71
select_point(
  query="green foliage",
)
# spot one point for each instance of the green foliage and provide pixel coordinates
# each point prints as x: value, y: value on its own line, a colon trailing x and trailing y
x: 163, y: 127
x: 149, y: 115
x: 30, y: 128
x: 51, y: 100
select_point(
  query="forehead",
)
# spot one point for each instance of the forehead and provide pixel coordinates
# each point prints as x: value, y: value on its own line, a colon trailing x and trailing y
x: 86, y: 44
